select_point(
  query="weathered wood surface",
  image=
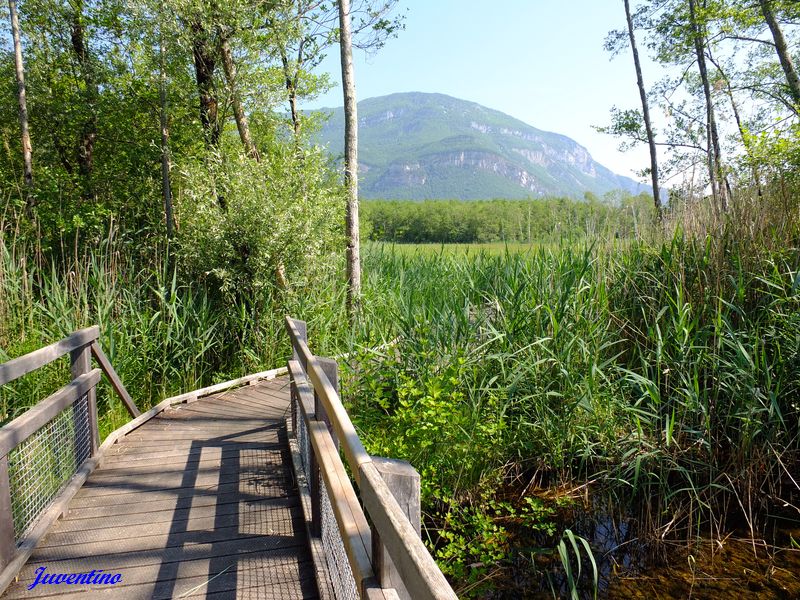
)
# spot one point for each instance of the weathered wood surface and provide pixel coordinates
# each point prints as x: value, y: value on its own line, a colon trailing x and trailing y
x: 414, y: 565
x: 16, y: 432
x: 116, y: 382
x: 197, y: 502
x: 17, y: 367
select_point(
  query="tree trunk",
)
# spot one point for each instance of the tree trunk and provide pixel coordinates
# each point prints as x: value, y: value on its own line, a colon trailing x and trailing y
x: 23, y: 103
x: 350, y: 159
x: 290, y: 80
x: 88, y: 136
x: 645, y: 111
x: 783, y: 52
x: 238, y: 110
x: 204, y: 66
x: 714, y: 152
x: 166, y: 186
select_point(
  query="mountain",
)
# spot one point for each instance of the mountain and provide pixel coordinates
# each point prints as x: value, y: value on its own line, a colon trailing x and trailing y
x: 427, y: 146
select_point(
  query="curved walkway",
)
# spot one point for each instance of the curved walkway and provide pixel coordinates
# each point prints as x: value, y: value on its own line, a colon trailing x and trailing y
x: 199, y: 501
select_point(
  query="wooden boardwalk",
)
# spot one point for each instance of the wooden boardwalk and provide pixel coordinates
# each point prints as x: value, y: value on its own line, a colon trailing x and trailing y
x: 197, y: 502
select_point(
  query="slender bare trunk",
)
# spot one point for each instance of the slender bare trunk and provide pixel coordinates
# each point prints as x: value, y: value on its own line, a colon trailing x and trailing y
x: 645, y: 111
x: 23, y: 103
x: 166, y: 186
x: 782, y: 49
x: 88, y: 136
x: 290, y: 80
x: 204, y: 66
x: 714, y: 151
x: 350, y: 159
x: 238, y: 110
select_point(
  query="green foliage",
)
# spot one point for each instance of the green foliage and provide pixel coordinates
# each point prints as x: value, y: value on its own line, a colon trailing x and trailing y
x: 283, y: 212
x: 550, y: 220
x: 565, y: 555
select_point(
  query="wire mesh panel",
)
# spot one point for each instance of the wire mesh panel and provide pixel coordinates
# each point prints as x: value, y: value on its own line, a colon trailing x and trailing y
x: 344, y: 585
x: 341, y: 577
x: 303, y: 442
x: 40, y: 466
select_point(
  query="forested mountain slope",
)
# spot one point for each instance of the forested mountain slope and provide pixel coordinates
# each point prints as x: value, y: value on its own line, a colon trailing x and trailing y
x: 423, y: 146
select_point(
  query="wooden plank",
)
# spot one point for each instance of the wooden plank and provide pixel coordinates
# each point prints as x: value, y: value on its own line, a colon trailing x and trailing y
x: 132, y: 453
x: 288, y: 573
x: 416, y: 567
x: 352, y: 523
x: 252, y: 494
x: 208, y: 439
x: 135, y: 450
x: 88, y: 508
x: 354, y: 450
x: 148, y: 537
x: 116, y: 382
x: 258, y: 402
x: 17, y: 367
x: 88, y: 519
x: 16, y: 432
x: 170, y: 482
x: 116, y: 554
x: 219, y: 387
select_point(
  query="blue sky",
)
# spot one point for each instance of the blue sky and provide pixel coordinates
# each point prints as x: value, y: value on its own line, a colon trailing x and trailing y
x: 541, y: 61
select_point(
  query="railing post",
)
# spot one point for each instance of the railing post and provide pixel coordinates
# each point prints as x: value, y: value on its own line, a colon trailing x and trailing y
x: 302, y: 330
x: 8, y: 544
x: 331, y: 370
x: 80, y: 363
x: 403, y: 481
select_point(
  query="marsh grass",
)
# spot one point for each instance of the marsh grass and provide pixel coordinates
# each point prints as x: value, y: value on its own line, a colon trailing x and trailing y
x: 663, y: 375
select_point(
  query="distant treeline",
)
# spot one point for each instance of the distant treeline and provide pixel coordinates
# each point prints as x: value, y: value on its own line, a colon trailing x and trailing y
x: 454, y: 221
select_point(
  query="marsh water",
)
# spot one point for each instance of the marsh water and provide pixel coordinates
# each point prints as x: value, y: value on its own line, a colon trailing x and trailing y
x: 732, y: 567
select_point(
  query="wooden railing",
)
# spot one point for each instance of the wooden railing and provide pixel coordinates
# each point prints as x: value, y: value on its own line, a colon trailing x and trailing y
x: 387, y: 559
x: 47, y: 453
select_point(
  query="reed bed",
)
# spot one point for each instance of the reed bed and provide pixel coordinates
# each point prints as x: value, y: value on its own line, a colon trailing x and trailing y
x: 662, y: 376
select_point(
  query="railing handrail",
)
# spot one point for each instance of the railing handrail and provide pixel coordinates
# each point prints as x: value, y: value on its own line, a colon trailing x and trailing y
x: 20, y: 429
x: 418, y: 571
x: 17, y: 367
x: 354, y: 450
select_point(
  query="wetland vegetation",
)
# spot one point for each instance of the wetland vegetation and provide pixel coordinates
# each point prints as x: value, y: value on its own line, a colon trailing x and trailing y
x: 602, y: 395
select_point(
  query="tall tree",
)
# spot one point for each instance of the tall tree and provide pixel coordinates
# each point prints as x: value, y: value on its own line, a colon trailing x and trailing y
x: 205, y: 63
x: 242, y: 124
x: 79, y: 38
x: 23, y: 102
x: 715, y: 170
x: 645, y: 110
x: 350, y: 158
x: 166, y: 184
x: 782, y: 49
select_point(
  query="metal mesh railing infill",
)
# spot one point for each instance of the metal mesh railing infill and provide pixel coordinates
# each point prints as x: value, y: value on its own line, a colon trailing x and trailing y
x: 344, y: 585
x: 342, y: 580
x: 40, y: 466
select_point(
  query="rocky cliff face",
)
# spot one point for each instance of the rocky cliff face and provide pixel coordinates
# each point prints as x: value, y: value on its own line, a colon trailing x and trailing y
x: 419, y: 146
